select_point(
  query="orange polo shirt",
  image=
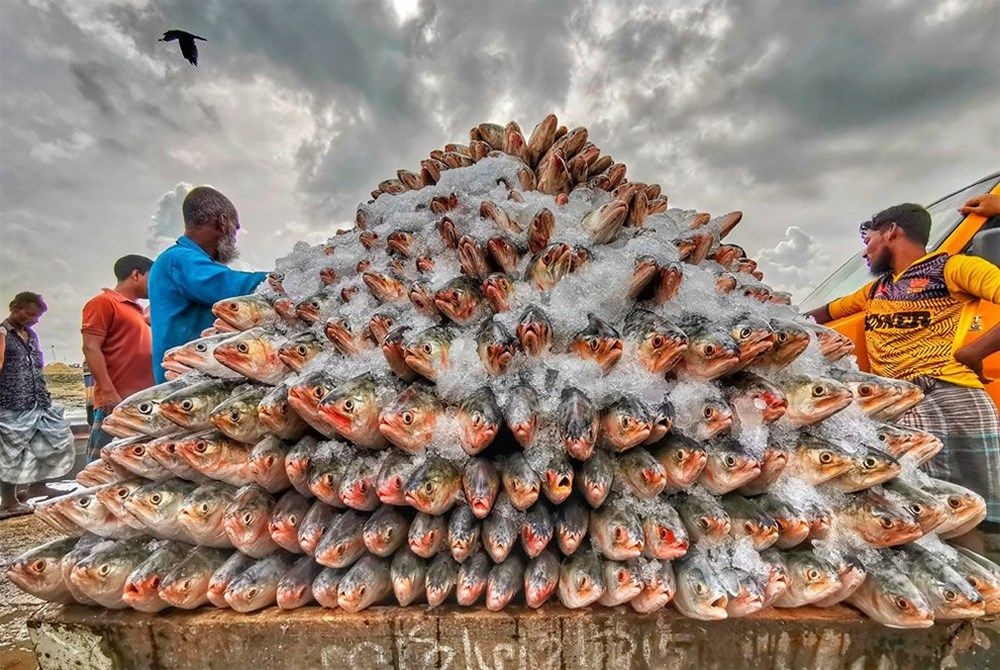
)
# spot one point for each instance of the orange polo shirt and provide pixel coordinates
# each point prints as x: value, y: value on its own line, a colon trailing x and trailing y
x: 127, y: 345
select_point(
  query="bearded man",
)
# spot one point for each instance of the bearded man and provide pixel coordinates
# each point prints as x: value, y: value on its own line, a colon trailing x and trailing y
x: 191, y: 276
x: 917, y: 312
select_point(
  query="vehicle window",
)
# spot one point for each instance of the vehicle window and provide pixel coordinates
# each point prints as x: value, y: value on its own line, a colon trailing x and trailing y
x: 853, y: 274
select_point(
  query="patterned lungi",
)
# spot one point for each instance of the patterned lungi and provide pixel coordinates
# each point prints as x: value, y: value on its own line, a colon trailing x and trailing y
x: 965, y: 419
x: 35, y: 444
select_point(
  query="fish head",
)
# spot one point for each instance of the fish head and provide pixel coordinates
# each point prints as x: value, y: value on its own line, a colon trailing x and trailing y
x: 352, y: 406
x: 384, y: 287
x: 481, y: 482
x: 701, y: 592
x: 243, y: 312
x: 534, y: 330
x: 755, y: 337
x: 661, y: 346
x: 401, y: 241
x: 711, y: 353
x: 790, y: 340
x: 479, y: 419
x: 897, y: 600
x: 729, y: 466
x: 559, y: 477
x: 884, y: 523
x: 299, y: 350
x: 549, y: 266
x: 427, y: 351
x: 433, y: 486
x: 627, y: 422
x: 820, y: 460
x: 310, y: 309
x: 380, y: 324
x: 684, y: 460
x: 497, y: 289
x: 249, y: 352
x: 812, y: 399
x: 598, y: 342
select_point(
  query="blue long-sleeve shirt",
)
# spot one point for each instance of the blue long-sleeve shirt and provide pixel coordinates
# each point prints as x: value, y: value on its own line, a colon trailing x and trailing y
x: 184, y: 283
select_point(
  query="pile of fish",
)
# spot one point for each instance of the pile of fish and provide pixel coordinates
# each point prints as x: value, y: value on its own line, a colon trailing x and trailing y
x: 519, y: 378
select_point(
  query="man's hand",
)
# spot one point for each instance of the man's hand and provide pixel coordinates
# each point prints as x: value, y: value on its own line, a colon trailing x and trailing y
x: 986, y: 205
x: 111, y: 400
x: 971, y: 357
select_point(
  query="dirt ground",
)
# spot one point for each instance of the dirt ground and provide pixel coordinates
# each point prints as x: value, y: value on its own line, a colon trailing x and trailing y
x: 16, y: 536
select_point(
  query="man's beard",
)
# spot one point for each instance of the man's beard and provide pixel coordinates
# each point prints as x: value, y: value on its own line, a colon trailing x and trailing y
x: 227, y: 252
x: 881, y: 265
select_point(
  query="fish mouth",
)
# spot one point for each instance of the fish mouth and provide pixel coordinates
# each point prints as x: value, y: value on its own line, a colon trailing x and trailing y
x: 480, y: 507
x: 337, y: 419
x: 523, y: 432
x: 559, y: 482
x: 579, y: 448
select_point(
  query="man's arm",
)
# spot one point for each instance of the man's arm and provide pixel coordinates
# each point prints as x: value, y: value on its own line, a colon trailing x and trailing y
x: 841, y: 307
x: 980, y: 278
x: 208, y: 282
x: 94, y: 356
x: 821, y: 315
x: 986, y: 205
x: 3, y: 346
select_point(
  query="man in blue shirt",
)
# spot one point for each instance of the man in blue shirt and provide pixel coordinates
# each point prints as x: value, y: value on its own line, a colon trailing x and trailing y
x: 191, y: 276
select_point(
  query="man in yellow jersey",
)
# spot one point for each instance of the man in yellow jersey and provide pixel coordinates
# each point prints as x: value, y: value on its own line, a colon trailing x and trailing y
x: 917, y: 311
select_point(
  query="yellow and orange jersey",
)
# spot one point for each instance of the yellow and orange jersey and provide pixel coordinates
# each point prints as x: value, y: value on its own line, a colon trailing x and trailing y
x: 915, y: 320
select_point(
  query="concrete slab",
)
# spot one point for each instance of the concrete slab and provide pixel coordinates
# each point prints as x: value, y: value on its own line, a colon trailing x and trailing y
x: 453, y: 638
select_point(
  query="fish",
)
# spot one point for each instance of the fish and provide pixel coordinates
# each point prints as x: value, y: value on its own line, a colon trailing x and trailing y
x: 37, y: 571
x: 472, y: 577
x: 442, y: 574
x: 702, y: 414
x: 658, y: 588
x: 903, y: 441
x: 534, y: 331
x: 500, y: 530
x: 217, y: 456
x: 315, y: 307
x: 326, y: 467
x: 408, y: 576
x: 813, y: 399
x: 102, y: 574
x: 504, y: 582
x: 572, y: 521
x: 881, y: 521
x: 391, y: 480
x: 520, y: 481
x: 157, y: 504
x: 665, y: 537
x: 479, y: 420
x: 201, y: 514
x: 100, y: 472
x: 683, y: 461
x: 790, y: 340
x: 871, y: 393
x: 729, y: 466
x: 625, y: 423
x: 603, y: 223
x: 930, y: 511
x: 352, y: 409
x: 581, y: 580
x: 295, y: 586
x: 557, y: 478
x: 199, y: 355
x: 298, y: 350
x: 480, y: 483
x: 537, y: 530
x: 699, y: 593
x: 811, y: 578
x: 549, y: 266
x: 410, y: 420
x: 343, y: 542
x: 366, y: 583
x: 662, y: 415
x: 754, y: 399
x: 257, y: 586
x: 254, y: 354
x: 754, y: 336
x: 141, y: 590
x: 496, y: 346
x: 888, y: 597
x: 654, y: 341
x: 185, y: 586
x: 541, y: 578
x: 617, y: 532
x: 86, y: 545
x: 237, y: 416
x: 359, y: 487
x: 644, y: 476
x: 384, y: 287
x: 385, y: 530
x: 426, y: 352
x: 578, y: 423
x: 981, y: 573
x: 427, y: 535
x: 598, y: 342
x: 435, y: 486
x: 266, y: 464
x: 247, y: 519
x: 966, y: 508
x: 245, y: 312
x: 622, y: 582
x: 816, y: 460
x: 703, y: 516
x: 463, y: 533
x: 461, y: 301
x: 319, y: 517
x: 869, y: 467
x: 163, y: 450
x: 394, y: 352
x: 298, y: 460
x: 947, y: 592
x: 791, y: 516
x: 133, y: 455
x: 748, y: 520
x: 286, y: 519
x: 325, y: 585
x: 520, y: 413
x: 140, y: 412
x: 498, y: 290
x: 772, y: 466
x: 711, y: 352
x: 219, y: 582
x: 596, y: 477
x: 305, y: 395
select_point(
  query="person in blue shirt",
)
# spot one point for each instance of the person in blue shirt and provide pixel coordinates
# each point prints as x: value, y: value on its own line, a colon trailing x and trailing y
x: 189, y: 277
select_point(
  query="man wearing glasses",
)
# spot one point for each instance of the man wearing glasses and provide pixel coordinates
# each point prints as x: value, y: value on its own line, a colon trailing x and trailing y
x: 917, y: 311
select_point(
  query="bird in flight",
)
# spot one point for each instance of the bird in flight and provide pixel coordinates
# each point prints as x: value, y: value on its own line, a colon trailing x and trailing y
x: 188, y: 48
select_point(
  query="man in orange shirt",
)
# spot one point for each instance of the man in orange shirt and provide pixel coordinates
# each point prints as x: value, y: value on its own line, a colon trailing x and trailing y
x: 117, y: 343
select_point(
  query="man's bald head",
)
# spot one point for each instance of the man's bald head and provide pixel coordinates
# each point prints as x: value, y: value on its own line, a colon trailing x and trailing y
x: 204, y: 206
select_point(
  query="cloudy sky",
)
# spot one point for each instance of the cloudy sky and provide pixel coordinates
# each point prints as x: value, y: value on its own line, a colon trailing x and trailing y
x: 805, y: 115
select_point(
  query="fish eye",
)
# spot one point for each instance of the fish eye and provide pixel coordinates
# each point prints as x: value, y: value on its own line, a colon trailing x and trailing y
x: 749, y: 527
x: 700, y: 589
x: 812, y: 574
x: 252, y: 592
x: 232, y: 306
x: 886, y: 522
x: 865, y: 390
x: 818, y: 391
x: 664, y: 534
x: 657, y: 341
x: 292, y: 519
x: 954, y: 502
x: 916, y: 508
x: 301, y: 349
x: 319, y: 392
x: 361, y: 591
x: 594, y: 344
x: 204, y: 508
x: 122, y: 493
x: 869, y: 462
x: 730, y: 461
x: 243, y: 348
x: 407, y: 418
x: 145, y: 407
x: 825, y: 457
x: 704, y: 523
x: 903, y: 604
x: 782, y: 337
x: 681, y: 455
x: 623, y: 577
x: 283, y: 406
x: 547, y: 258
x: 234, y: 416
x: 745, y: 332
x: 187, y: 405
x: 38, y: 566
x: 709, y: 349
x: 156, y: 498
x: 200, y: 347
x: 620, y: 534
x: 625, y: 421
x: 348, y: 405
x: 950, y: 595
x: 428, y: 488
x: 186, y: 584
x: 428, y: 349
x: 104, y: 570
x: 248, y: 518
x: 84, y: 501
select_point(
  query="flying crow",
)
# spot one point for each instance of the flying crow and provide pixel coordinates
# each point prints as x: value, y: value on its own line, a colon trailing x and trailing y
x: 188, y: 48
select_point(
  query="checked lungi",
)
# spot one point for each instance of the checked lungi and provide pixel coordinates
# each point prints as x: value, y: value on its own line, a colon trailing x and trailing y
x: 965, y: 419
